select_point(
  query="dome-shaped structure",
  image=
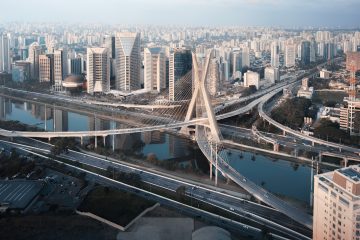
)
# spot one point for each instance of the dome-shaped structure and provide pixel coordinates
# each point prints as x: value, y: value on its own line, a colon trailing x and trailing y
x: 73, y: 83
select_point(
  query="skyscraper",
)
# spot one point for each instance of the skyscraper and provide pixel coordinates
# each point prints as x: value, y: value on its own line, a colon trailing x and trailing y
x: 336, y: 204
x: 180, y: 63
x: 59, y: 71
x: 5, y: 61
x: 98, y: 70
x: 154, y: 69
x: 213, y: 78
x: 312, y: 51
x: 128, y: 61
x: 34, y: 52
x: 46, y: 68
x: 75, y: 65
x: 305, y: 53
x: 290, y: 55
x: 245, y: 58
x: 275, y: 51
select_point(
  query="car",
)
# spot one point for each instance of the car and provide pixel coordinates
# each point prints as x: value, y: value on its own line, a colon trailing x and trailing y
x: 244, y: 179
x: 232, y: 209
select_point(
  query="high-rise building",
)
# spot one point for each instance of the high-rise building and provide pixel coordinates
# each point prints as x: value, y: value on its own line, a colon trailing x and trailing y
x: 275, y: 51
x: 252, y: 79
x: 128, y: 61
x: 305, y: 53
x: 236, y: 65
x: 180, y: 64
x: 5, y: 60
x: 59, y: 71
x: 312, y: 51
x: 34, y: 52
x: 75, y: 65
x: 213, y: 78
x: 98, y: 70
x: 20, y: 71
x: 336, y: 204
x: 329, y: 51
x: 245, y: 58
x: 272, y: 74
x: 353, y: 60
x: 154, y: 69
x: 290, y: 55
x: 46, y: 68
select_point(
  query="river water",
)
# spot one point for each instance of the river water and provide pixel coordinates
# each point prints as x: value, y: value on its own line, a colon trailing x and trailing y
x: 278, y: 176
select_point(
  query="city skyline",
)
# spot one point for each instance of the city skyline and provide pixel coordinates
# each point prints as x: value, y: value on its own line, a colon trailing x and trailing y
x: 199, y: 12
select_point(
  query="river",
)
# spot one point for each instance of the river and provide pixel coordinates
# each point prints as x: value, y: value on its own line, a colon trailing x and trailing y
x: 279, y: 176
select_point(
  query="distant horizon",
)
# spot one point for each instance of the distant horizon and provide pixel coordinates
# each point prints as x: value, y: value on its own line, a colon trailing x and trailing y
x: 211, y: 13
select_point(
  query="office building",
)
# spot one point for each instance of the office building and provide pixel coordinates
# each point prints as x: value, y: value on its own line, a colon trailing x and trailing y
x: 213, y: 79
x: 128, y: 61
x: 336, y: 204
x: 305, y: 53
x: 252, y: 79
x: 34, y: 52
x: 75, y: 65
x: 98, y: 70
x: 59, y: 71
x: 325, y: 74
x: 154, y: 69
x: 180, y: 64
x: 20, y: 71
x: 5, y: 60
x: 236, y: 62
x: 329, y: 51
x: 353, y: 60
x: 305, y: 91
x: 272, y: 74
x: 245, y: 58
x: 290, y: 55
x: 46, y: 68
x: 312, y: 51
x: 275, y: 52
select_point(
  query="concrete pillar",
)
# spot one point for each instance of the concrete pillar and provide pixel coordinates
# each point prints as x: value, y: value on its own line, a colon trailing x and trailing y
x: 104, y: 140
x: 276, y: 147
x: 295, y: 152
x: 320, y: 157
x: 45, y: 127
x: 284, y: 133
x: 49, y: 139
x: 82, y: 141
x: 211, y: 161
x: 345, y: 161
x: 95, y: 141
x: 216, y: 166
x: 313, y: 144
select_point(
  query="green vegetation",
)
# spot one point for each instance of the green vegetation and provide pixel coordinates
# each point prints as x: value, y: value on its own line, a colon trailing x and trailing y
x: 319, y: 83
x: 326, y: 97
x: 248, y: 91
x: 13, y: 164
x: 62, y: 145
x: 114, y: 205
x: 292, y: 112
x: 17, y: 126
x: 129, y: 178
x: 330, y: 131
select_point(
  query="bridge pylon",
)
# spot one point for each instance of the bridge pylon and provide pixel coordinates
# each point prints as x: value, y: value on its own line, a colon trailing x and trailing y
x: 200, y: 104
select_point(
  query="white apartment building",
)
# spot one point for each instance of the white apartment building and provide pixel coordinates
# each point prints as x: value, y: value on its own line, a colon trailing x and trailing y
x: 290, y: 55
x: 154, y: 69
x: 337, y: 204
x: 251, y: 78
x: 272, y: 74
x: 98, y: 70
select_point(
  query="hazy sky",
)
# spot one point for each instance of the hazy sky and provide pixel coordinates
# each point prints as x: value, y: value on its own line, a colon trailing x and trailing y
x: 187, y: 12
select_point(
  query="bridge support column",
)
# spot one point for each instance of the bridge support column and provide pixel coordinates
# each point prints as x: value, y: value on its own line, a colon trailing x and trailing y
x: 104, y: 140
x: 345, y: 161
x: 96, y: 142
x: 211, y: 161
x: 276, y: 147
x: 320, y: 157
x: 284, y: 133
x: 49, y: 139
x: 296, y: 152
x: 313, y: 144
x: 216, y: 166
x: 82, y: 141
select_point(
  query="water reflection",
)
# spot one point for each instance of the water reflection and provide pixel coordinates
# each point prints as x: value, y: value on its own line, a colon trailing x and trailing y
x: 279, y: 176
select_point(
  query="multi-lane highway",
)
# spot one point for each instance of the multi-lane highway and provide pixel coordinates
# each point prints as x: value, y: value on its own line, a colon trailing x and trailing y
x: 253, y: 212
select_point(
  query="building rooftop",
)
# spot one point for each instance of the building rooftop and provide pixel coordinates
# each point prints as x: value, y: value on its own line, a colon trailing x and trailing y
x: 351, y: 173
x: 17, y: 194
